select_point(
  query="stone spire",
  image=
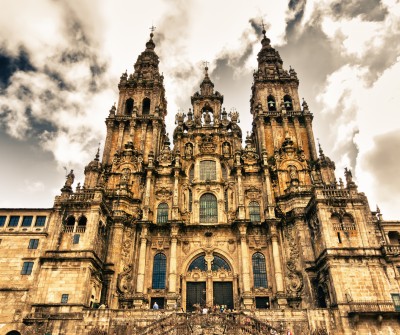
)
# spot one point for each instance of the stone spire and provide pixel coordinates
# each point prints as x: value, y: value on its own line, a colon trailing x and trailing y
x: 206, y: 86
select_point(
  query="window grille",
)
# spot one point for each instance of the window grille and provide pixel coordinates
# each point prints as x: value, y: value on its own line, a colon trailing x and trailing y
x: 254, y: 211
x: 259, y: 270
x: 198, y: 263
x: 219, y: 263
x: 40, y: 221
x: 162, y: 213
x: 208, y: 208
x: 13, y: 221
x: 27, y: 268
x: 64, y: 298
x: 159, y: 271
x: 33, y: 243
x: 208, y: 170
x: 26, y: 221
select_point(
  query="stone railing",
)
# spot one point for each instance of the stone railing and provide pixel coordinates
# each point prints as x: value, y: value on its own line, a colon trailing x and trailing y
x: 371, y: 306
x: 391, y: 250
x: 336, y: 193
x: 82, y: 196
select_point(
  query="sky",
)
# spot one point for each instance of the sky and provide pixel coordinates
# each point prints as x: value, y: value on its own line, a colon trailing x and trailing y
x: 60, y: 63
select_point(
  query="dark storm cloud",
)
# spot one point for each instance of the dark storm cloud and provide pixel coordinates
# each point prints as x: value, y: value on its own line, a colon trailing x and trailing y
x: 386, y: 174
x: 369, y: 10
x: 296, y: 12
x: 10, y: 64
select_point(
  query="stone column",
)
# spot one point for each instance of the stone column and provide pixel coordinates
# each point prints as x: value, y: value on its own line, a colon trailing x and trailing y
x: 242, y: 213
x: 246, y: 295
x: 298, y: 134
x: 154, y: 146
x: 143, y: 137
x: 142, y: 260
x: 277, y: 259
x: 147, y: 196
x: 311, y: 141
x: 107, y: 145
x: 172, y: 289
x: 120, y: 135
x: 175, y: 197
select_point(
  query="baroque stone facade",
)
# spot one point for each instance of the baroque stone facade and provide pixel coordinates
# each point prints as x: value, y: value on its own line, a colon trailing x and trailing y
x: 263, y: 229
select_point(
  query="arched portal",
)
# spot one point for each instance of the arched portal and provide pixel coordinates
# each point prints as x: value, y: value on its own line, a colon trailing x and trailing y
x: 209, y: 282
x: 13, y: 332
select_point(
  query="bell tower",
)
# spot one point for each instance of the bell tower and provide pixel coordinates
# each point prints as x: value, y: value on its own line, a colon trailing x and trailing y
x: 139, y: 116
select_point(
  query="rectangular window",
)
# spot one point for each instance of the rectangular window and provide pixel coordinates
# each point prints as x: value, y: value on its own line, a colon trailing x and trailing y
x: 40, y: 221
x: 2, y: 220
x: 13, y: 221
x: 27, y: 268
x: 75, y: 239
x: 33, y: 243
x: 64, y: 299
x: 27, y: 221
x: 208, y: 170
x: 396, y: 301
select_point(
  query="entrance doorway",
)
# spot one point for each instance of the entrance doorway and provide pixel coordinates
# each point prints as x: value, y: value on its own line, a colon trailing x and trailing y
x: 223, y: 294
x: 195, y: 295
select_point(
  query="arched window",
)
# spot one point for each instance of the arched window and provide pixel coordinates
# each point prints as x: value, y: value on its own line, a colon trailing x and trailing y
x: 162, y: 213
x: 13, y: 332
x: 254, y: 211
x: 208, y: 208
x: 287, y: 101
x: 129, y: 106
x: 198, y: 263
x: 190, y: 201
x: 271, y: 103
x: 219, y: 263
x: 259, y: 270
x: 146, y: 106
x: 81, y: 224
x: 191, y: 174
x: 348, y: 223
x: 159, y: 271
x: 82, y: 221
x: 70, y: 221
x: 208, y: 170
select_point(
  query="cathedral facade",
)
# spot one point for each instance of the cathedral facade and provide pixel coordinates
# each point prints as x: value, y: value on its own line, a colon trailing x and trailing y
x: 263, y: 230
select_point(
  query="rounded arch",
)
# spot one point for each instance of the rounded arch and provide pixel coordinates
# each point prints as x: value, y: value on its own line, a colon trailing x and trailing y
x: 288, y: 102
x: 271, y: 103
x: 198, y: 263
x: 82, y: 221
x: 129, y: 106
x: 13, y: 332
x: 197, y: 260
x: 208, y: 208
x: 70, y: 221
x: 146, y: 106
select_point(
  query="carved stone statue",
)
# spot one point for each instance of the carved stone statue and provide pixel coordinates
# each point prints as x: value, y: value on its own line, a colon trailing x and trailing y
x: 207, y: 118
x: 70, y: 179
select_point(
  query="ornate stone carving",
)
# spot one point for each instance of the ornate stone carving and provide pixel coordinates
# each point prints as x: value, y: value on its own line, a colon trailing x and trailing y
x: 294, y: 278
x: 163, y: 193
x: 124, y: 280
x: 207, y: 145
x: 253, y: 193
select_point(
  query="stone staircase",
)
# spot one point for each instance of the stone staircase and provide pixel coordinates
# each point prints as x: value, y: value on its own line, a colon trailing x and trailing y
x: 207, y: 324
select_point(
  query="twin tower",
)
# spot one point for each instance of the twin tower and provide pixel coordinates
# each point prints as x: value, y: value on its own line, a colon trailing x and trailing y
x: 263, y: 227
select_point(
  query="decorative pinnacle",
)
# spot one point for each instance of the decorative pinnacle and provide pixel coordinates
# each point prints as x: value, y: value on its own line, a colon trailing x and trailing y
x: 321, y: 153
x: 152, y: 28
x: 205, y: 63
x: 96, y: 158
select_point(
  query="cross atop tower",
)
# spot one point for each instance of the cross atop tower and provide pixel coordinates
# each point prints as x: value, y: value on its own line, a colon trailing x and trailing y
x: 152, y: 28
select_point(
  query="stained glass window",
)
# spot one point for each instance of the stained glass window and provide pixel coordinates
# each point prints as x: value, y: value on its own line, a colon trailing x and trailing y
x: 208, y: 170
x: 162, y: 213
x: 159, y: 271
x: 219, y: 263
x: 208, y: 208
x: 254, y: 211
x: 198, y: 263
x: 259, y: 270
